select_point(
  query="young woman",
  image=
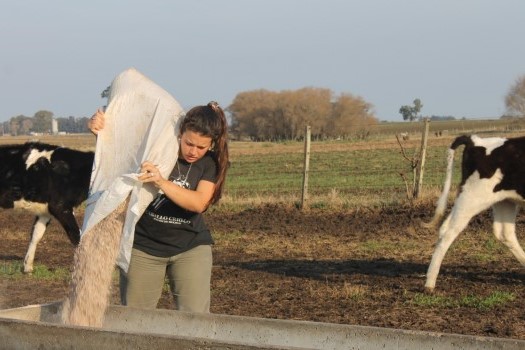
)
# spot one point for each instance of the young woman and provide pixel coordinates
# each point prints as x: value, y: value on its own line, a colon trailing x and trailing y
x: 171, y: 238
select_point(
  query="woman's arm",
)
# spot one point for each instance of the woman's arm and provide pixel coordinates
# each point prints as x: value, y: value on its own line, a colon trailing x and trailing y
x: 196, y: 200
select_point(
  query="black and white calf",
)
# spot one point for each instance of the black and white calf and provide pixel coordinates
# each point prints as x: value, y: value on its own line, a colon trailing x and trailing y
x: 493, y: 175
x: 47, y: 180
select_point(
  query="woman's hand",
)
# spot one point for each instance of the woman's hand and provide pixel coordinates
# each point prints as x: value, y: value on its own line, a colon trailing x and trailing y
x: 96, y: 122
x: 193, y: 200
x: 150, y: 173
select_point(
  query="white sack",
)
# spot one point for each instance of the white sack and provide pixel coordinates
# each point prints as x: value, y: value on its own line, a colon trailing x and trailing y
x: 141, y: 123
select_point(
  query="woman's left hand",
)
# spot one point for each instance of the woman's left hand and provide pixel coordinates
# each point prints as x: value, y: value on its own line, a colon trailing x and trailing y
x: 150, y: 173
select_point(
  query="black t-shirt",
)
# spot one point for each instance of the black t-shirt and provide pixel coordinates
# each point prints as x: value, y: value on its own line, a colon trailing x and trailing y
x: 165, y: 229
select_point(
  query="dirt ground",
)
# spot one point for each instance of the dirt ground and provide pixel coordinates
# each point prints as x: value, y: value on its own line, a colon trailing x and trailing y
x: 361, y: 267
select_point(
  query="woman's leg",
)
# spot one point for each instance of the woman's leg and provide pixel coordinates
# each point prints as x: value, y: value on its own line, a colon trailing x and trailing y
x: 190, y: 275
x: 142, y: 286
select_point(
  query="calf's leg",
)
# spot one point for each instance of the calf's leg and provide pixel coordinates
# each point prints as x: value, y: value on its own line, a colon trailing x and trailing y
x: 467, y: 205
x: 39, y: 228
x: 505, y: 227
x: 67, y: 219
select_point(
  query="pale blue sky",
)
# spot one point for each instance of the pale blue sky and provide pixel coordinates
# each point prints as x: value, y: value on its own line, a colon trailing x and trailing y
x: 460, y: 57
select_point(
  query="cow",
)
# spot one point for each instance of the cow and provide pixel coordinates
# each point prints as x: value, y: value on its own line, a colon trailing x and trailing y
x: 493, y: 175
x: 47, y: 180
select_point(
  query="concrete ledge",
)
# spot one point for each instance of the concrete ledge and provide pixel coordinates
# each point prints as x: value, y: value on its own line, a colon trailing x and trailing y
x: 37, y: 326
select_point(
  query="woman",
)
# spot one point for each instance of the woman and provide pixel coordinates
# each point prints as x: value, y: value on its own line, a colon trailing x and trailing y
x: 171, y: 238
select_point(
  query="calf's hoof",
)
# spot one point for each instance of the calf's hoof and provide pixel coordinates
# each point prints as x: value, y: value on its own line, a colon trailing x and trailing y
x: 429, y: 290
x: 28, y: 270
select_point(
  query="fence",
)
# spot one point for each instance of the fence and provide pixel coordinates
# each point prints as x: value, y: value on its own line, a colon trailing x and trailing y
x: 375, y: 167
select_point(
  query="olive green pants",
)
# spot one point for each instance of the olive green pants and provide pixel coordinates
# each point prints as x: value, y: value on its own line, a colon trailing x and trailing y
x: 189, y: 276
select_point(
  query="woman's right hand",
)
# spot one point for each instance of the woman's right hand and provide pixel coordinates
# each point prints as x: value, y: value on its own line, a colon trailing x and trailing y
x: 96, y: 122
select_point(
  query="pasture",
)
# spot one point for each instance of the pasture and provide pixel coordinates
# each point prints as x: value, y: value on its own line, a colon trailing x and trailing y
x: 358, y: 255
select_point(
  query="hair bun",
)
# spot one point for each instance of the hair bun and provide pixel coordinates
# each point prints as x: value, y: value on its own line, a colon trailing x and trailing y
x: 214, y: 105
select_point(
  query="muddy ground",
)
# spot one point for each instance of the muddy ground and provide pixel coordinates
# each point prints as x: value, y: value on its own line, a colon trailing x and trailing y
x: 361, y: 267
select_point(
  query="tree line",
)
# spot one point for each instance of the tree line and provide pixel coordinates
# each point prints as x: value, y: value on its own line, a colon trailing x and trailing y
x: 259, y: 115
x: 41, y: 123
x: 263, y: 115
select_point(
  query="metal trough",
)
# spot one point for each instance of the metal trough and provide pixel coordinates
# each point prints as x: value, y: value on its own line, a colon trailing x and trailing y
x: 38, y: 327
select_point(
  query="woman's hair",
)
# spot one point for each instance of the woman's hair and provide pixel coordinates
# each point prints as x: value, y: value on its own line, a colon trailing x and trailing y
x: 210, y: 121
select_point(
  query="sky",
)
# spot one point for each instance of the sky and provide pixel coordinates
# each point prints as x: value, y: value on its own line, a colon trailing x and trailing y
x: 459, y: 57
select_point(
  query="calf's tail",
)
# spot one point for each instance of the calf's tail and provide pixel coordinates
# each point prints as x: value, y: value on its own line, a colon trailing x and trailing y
x: 442, y: 201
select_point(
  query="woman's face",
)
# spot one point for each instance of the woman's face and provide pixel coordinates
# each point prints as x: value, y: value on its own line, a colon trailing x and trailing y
x: 193, y: 146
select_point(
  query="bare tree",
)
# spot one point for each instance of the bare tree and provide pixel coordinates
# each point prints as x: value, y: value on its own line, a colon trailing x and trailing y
x: 308, y: 106
x: 250, y: 112
x: 351, y: 116
x: 265, y: 115
x: 515, y: 99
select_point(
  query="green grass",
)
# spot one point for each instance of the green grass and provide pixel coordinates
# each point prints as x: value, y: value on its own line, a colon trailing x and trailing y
x: 349, y: 172
x: 11, y: 268
x: 491, y: 249
x: 454, y: 126
x: 14, y: 269
x: 491, y: 301
x: 374, y: 246
x: 44, y: 272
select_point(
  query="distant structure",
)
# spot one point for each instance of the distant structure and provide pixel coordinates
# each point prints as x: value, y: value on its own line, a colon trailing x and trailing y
x: 54, y: 126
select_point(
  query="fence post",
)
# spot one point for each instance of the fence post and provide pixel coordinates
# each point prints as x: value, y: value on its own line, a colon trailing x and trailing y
x: 422, y: 158
x: 307, y: 136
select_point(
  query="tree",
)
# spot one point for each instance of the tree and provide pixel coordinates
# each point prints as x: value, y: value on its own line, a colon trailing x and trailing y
x: 20, y: 125
x: 253, y: 114
x: 515, y: 99
x: 306, y: 106
x: 411, y: 113
x: 351, y: 115
x: 42, y: 121
x: 73, y: 124
x: 269, y: 116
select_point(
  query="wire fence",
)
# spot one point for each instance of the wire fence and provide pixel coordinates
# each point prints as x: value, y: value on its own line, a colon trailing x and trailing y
x: 380, y: 166
x: 351, y: 172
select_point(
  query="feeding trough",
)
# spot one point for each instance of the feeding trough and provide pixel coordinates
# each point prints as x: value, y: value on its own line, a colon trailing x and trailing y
x: 38, y: 326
